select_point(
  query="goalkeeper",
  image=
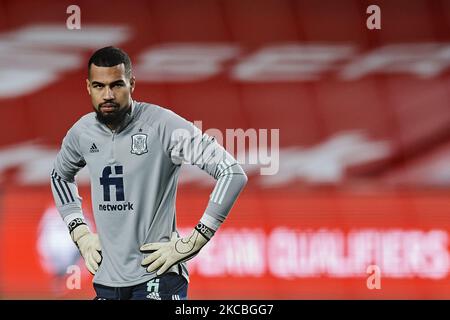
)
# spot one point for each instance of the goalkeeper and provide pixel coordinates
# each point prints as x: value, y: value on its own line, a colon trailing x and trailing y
x: 134, y: 152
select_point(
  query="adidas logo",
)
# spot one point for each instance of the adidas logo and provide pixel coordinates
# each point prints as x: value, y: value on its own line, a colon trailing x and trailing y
x: 93, y: 148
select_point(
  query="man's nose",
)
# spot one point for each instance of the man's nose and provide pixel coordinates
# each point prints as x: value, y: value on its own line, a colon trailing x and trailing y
x: 109, y: 95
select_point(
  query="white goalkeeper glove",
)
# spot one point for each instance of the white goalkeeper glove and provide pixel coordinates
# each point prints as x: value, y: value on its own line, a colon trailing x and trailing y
x: 164, y: 255
x: 89, y: 245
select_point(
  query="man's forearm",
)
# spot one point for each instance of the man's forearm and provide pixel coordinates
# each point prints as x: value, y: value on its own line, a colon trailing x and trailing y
x: 207, y: 154
x: 231, y: 180
x: 66, y: 197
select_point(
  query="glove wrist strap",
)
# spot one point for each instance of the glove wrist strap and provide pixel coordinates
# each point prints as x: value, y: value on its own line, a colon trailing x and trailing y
x: 205, y: 231
x: 75, y: 223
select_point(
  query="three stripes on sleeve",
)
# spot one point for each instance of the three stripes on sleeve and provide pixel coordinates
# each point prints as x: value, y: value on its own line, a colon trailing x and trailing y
x: 62, y: 188
x: 226, y: 175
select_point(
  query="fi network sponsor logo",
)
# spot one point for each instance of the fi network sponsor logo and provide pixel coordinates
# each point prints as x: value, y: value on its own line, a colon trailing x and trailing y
x: 128, y: 206
x: 109, y: 181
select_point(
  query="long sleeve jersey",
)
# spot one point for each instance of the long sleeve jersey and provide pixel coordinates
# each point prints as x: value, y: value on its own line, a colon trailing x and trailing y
x: 134, y: 173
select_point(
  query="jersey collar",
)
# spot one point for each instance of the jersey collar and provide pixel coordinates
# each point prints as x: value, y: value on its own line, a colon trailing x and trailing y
x: 128, y: 117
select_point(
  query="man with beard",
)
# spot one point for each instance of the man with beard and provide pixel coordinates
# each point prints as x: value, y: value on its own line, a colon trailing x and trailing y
x: 134, y: 152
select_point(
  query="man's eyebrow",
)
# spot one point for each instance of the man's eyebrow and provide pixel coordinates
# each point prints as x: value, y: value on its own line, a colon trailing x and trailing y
x: 112, y: 83
x: 118, y: 82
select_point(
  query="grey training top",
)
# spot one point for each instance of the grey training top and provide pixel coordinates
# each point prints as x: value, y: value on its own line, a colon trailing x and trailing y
x: 133, y: 174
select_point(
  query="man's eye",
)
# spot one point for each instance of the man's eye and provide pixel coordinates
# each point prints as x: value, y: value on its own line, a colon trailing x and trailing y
x: 97, y: 86
x: 118, y: 85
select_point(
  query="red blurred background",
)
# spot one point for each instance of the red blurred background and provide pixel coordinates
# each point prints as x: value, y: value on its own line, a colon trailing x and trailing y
x: 364, y: 139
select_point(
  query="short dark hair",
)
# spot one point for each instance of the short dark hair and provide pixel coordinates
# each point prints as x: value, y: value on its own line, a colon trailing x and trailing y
x: 110, y: 57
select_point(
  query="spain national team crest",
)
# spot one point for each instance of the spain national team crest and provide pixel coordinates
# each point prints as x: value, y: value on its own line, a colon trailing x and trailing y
x: 139, y: 144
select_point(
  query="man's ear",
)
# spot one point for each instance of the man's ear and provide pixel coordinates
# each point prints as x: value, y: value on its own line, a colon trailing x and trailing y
x: 132, y: 83
x: 88, y: 87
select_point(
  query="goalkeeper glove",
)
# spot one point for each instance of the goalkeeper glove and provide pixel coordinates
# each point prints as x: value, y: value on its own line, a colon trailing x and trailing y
x: 164, y: 255
x: 89, y: 245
